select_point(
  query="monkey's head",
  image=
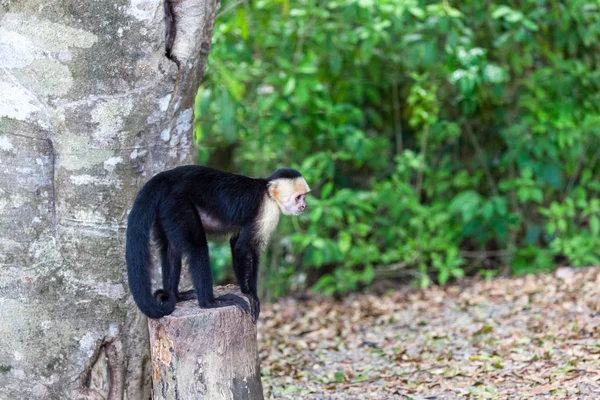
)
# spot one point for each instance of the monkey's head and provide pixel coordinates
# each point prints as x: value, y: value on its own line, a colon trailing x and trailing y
x: 289, y: 189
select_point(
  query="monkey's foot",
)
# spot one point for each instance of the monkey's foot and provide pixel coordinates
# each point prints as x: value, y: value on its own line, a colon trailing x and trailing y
x: 254, y: 306
x: 187, y: 295
x: 227, y: 300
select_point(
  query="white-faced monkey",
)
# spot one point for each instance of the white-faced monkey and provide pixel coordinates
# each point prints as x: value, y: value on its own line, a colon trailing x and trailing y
x: 184, y: 204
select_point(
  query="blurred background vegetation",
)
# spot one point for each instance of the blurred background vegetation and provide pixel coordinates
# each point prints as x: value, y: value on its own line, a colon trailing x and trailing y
x: 441, y: 139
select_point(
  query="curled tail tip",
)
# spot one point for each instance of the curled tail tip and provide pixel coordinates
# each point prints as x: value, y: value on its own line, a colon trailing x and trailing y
x: 164, y: 298
x: 161, y: 304
x: 165, y: 301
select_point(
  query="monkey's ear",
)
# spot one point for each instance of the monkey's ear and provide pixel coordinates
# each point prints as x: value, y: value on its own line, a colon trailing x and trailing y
x: 273, y: 189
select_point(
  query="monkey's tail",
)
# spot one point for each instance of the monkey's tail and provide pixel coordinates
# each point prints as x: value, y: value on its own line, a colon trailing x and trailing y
x: 137, y: 252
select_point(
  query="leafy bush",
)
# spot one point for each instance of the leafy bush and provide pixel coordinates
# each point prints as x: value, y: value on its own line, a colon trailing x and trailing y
x: 438, y: 140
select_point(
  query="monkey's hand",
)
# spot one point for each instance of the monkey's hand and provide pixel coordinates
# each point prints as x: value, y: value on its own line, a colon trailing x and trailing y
x: 227, y: 300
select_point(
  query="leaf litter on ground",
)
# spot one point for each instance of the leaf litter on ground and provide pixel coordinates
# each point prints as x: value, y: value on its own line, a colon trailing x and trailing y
x: 529, y: 337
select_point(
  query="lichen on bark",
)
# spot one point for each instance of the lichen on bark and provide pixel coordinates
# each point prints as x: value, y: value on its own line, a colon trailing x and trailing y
x: 90, y: 108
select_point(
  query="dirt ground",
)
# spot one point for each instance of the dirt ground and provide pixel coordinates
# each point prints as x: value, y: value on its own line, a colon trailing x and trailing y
x: 514, y: 338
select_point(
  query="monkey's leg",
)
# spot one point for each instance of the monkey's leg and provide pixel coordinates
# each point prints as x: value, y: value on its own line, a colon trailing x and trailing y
x: 245, y: 258
x: 199, y: 265
x: 170, y: 262
x: 170, y: 276
x: 174, y: 259
x: 184, y: 229
x: 236, y: 265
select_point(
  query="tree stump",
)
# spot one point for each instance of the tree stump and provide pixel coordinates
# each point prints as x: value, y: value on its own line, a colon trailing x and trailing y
x: 205, y: 353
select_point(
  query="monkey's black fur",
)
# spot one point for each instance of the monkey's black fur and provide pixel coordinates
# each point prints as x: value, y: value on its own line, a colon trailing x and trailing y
x: 286, y: 173
x: 172, y: 205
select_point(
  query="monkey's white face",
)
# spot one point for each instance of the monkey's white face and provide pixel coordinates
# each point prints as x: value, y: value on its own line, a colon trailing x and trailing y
x: 295, y: 205
x: 290, y: 195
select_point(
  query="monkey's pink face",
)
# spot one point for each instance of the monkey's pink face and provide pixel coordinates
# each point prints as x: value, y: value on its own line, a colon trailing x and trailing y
x: 290, y: 194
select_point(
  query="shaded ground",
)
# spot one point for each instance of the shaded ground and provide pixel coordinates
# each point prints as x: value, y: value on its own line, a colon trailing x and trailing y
x: 518, y: 338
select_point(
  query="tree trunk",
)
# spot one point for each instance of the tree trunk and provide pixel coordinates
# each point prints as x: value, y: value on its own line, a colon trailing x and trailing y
x: 205, y: 354
x: 90, y: 109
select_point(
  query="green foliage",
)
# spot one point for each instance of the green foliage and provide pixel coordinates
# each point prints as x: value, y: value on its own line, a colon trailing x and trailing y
x: 438, y: 139
x: 220, y: 259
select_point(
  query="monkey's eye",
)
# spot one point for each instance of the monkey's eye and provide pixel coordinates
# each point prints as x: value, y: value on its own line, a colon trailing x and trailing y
x: 298, y: 197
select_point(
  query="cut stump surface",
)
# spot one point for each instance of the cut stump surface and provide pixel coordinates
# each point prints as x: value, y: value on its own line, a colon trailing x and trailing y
x: 205, y: 353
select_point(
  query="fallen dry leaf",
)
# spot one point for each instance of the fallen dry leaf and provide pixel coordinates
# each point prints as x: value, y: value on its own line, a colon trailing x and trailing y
x: 519, y: 338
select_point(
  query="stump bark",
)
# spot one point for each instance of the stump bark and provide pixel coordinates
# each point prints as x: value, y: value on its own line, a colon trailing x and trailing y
x: 205, y: 353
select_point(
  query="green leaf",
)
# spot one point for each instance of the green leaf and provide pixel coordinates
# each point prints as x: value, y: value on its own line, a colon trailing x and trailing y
x: 368, y: 274
x: 289, y: 86
x: 344, y: 242
x: 362, y: 229
x: 242, y: 23
x: 501, y: 12
x: 488, y: 210
x: 458, y: 272
x: 562, y: 225
x: 467, y: 203
x: 501, y: 205
x: 326, y: 190
x: 417, y: 12
x: 316, y: 214
x: 302, y: 94
x: 494, y: 73
x: 453, y: 12
x: 443, y: 276
x: 537, y: 195
x: 529, y: 24
x: 307, y: 66
x: 586, y: 176
x: 325, y: 281
x: 298, y: 12
x: 198, y: 136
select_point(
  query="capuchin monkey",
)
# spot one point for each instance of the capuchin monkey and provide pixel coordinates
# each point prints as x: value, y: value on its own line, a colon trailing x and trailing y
x: 181, y: 206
